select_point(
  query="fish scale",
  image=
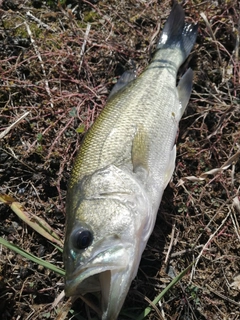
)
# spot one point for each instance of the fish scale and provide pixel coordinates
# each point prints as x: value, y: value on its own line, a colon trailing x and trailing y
x: 124, y: 164
x: 115, y: 128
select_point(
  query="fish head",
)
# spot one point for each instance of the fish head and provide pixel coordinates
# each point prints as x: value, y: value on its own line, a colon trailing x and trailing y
x: 102, y: 251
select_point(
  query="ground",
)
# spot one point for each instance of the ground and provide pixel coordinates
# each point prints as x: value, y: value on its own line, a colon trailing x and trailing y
x: 59, y: 61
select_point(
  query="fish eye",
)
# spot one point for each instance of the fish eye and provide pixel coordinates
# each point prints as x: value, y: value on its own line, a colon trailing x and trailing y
x: 82, y: 239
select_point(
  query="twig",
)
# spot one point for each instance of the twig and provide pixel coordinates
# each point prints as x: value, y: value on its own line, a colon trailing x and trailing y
x: 202, y: 14
x: 162, y: 310
x: 222, y: 296
x: 12, y: 154
x: 210, y: 239
x: 45, y: 132
x: 170, y: 245
x: 41, y: 62
x: 6, y: 131
x: 91, y: 304
x: 151, y: 304
x: 58, y: 299
x: 83, y: 46
x: 63, y: 311
x: 55, y: 141
x: 231, y: 161
x: 182, y: 252
x: 42, y: 24
x: 236, y: 50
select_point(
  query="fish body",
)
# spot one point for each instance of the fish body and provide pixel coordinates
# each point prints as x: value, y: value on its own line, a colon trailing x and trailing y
x: 123, y: 166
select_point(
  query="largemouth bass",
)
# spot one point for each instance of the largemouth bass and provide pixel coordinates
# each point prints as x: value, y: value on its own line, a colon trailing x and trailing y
x: 123, y: 166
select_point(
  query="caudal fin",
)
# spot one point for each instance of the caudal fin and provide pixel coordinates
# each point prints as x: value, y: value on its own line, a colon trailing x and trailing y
x: 177, y: 32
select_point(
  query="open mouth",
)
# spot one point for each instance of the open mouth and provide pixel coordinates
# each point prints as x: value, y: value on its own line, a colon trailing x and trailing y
x: 109, y: 272
x: 85, y: 281
x: 86, y: 278
x: 113, y: 285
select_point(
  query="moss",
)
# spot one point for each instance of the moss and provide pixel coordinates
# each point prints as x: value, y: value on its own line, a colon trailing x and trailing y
x: 90, y: 16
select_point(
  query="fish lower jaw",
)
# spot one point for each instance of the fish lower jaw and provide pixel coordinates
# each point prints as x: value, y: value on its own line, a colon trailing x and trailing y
x: 84, y: 281
x: 113, y: 285
x: 112, y: 281
x: 85, y: 277
x: 89, y: 278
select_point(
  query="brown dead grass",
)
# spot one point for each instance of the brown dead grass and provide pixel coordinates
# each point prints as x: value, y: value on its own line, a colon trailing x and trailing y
x: 62, y: 75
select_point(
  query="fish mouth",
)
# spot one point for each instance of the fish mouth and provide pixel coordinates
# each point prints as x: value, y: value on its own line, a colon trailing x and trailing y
x: 109, y: 272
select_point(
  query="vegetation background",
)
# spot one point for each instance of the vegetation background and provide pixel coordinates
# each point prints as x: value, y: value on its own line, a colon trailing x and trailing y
x: 58, y: 63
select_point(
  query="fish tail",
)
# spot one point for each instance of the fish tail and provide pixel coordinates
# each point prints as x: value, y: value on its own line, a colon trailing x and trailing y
x: 177, y: 32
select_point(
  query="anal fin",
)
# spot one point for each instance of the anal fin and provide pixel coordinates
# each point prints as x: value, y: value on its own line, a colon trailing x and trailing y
x: 184, y: 90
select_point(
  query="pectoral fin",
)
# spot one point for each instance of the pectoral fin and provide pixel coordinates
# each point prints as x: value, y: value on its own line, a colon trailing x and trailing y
x: 123, y: 81
x: 140, y: 151
x: 184, y: 90
x: 171, y: 166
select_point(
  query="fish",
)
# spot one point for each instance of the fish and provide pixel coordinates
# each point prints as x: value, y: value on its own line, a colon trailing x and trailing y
x: 124, y: 164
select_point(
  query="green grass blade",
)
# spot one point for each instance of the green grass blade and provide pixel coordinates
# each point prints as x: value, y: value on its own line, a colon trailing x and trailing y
x: 160, y: 296
x: 31, y: 257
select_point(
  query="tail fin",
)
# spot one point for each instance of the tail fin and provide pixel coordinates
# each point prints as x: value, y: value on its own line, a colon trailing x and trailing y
x: 178, y: 33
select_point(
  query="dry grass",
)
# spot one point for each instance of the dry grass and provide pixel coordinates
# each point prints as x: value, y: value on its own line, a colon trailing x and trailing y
x: 57, y: 66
